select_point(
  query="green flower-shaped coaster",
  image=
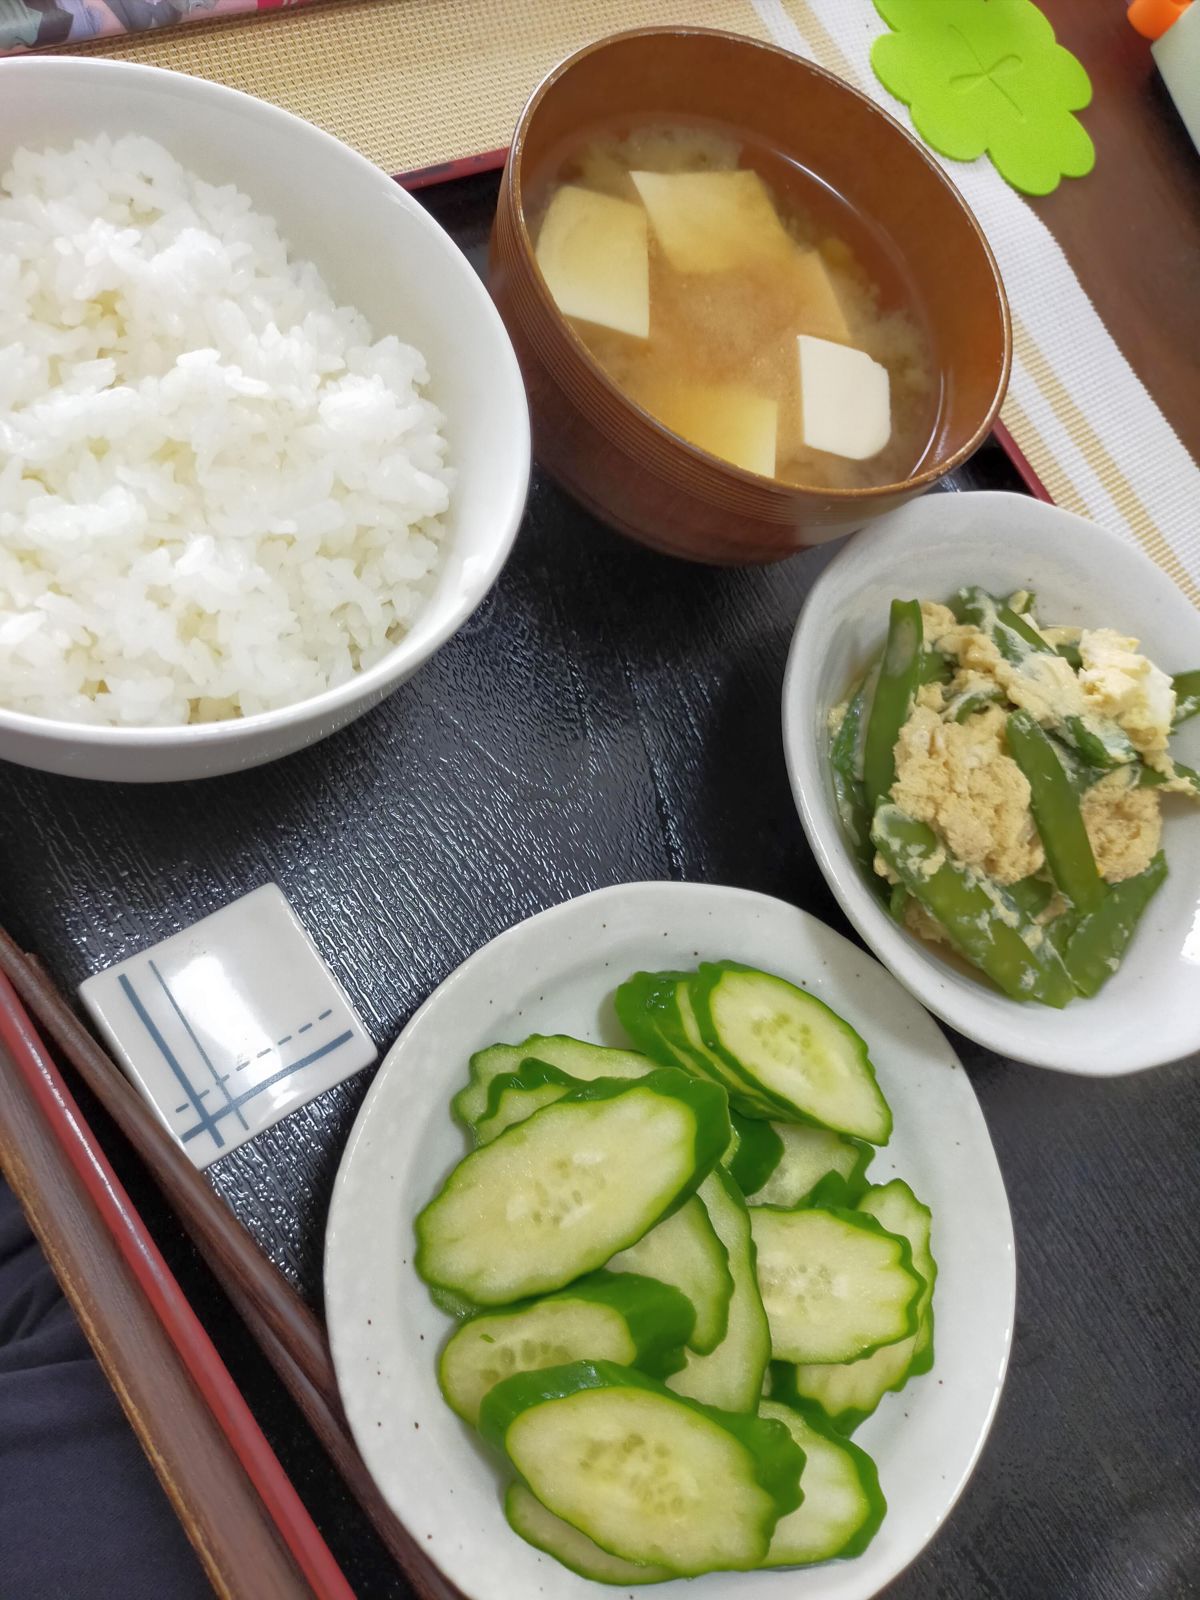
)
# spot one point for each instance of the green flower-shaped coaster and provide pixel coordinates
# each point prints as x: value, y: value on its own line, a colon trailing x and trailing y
x: 988, y: 75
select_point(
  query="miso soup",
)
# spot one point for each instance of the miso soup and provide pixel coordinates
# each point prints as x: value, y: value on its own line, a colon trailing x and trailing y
x: 741, y: 302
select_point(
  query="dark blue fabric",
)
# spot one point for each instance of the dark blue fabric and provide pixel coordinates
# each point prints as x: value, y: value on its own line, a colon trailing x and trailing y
x: 81, y: 1514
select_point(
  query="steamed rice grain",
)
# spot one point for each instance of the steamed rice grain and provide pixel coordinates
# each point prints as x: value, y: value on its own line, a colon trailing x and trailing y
x: 219, y: 494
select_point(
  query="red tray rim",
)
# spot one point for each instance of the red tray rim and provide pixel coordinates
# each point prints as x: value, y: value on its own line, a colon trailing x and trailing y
x: 213, y: 1380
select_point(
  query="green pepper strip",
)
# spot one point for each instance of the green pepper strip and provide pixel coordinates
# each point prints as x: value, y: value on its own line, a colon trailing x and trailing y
x: 935, y: 667
x: 1080, y: 773
x: 1108, y: 748
x: 1059, y: 930
x: 1015, y: 638
x: 972, y: 700
x: 1056, y: 811
x: 899, y: 673
x: 979, y: 917
x: 1151, y: 778
x: 847, y: 784
x: 1094, y: 950
x: 1031, y: 895
x: 1187, y: 695
x: 1071, y: 654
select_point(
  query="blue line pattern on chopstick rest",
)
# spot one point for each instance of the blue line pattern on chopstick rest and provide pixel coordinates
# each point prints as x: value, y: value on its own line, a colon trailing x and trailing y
x: 285, y: 1072
x: 179, y: 1110
x: 207, y: 1123
x: 201, y: 1051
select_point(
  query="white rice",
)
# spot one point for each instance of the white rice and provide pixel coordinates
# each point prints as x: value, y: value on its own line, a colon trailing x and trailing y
x: 218, y: 493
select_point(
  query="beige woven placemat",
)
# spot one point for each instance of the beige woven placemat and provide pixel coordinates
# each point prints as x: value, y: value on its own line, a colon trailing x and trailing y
x: 410, y: 83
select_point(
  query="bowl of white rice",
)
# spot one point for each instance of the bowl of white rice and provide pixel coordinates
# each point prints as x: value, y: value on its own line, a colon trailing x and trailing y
x: 264, y: 444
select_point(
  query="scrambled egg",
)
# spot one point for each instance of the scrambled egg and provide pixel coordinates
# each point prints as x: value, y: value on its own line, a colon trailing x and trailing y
x: 959, y: 778
x: 1118, y: 683
x: 1124, y: 826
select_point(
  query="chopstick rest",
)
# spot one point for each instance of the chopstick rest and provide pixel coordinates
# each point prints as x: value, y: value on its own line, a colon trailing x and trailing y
x: 230, y: 1025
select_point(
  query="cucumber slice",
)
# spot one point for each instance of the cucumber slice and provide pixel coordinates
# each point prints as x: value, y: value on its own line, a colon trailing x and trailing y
x: 656, y: 1011
x: 684, y: 1250
x: 731, y: 1375
x: 833, y: 1192
x: 809, y: 1155
x: 843, y: 1505
x: 758, y: 1150
x: 528, y: 1516
x: 558, y: 1194
x: 834, y: 1285
x: 896, y: 1208
x: 625, y: 1318
x: 648, y: 1476
x: 798, y: 1052
x: 742, y: 1091
x: 573, y: 1056
x: 644, y: 1003
x: 515, y: 1096
x: 845, y: 1393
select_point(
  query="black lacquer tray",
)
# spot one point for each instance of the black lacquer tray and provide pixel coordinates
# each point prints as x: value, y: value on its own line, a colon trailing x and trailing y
x: 611, y: 715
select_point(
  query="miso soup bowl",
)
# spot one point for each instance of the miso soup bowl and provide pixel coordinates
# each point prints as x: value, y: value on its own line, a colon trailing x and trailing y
x: 613, y: 456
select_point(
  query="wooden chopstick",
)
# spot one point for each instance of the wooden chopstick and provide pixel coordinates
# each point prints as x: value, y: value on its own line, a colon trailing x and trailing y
x: 286, y: 1329
x: 218, y: 1470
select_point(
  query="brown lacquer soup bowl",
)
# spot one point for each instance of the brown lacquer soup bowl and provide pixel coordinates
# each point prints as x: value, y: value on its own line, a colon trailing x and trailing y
x: 611, y: 454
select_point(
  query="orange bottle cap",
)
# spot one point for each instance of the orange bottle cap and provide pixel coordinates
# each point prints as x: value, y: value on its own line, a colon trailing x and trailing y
x: 1152, y: 18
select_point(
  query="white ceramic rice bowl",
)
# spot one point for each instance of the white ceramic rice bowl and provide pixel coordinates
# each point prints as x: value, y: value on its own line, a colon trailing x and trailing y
x: 379, y: 251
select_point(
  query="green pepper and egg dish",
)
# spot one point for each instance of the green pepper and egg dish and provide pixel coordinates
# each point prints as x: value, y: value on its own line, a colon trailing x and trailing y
x: 1002, y: 782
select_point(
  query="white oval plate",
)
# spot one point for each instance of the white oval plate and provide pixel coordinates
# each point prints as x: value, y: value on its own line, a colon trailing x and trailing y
x: 1148, y: 1012
x: 556, y: 973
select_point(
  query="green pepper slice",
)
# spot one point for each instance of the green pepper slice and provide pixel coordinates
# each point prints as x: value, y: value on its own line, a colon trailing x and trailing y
x: 1072, y: 655
x: 899, y: 674
x: 965, y: 705
x: 1080, y: 773
x: 1056, y: 811
x: 935, y: 667
x: 898, y: 899
x: 1151, y: 778
x: 1094, y: 950
x: 1103, y: 745
x: 845, y: 758
x: 1014, y: 637
x: 1031, y: 895
x: 979, y: 918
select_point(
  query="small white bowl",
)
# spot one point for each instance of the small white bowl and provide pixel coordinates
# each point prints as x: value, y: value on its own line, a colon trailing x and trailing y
x: 1149, y: 1012
x: 378, y: 250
